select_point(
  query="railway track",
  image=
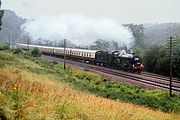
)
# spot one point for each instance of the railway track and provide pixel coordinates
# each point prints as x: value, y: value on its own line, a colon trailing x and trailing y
x: 165, y: 78
x: 149, y: 79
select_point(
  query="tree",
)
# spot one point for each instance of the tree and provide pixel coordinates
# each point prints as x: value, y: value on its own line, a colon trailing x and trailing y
x: 36, y: 52
x: 100, y: 45
x: 176, y: 57
x: 1, y: 15
x: 138, y: 33
x: 150, y: 59
x: 156, y: 60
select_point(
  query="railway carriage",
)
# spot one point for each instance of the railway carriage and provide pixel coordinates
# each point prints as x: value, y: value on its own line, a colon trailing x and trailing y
x: 83, y: 55
x: 22, y: 46
x: 59, y: 51
x: 46, y: 50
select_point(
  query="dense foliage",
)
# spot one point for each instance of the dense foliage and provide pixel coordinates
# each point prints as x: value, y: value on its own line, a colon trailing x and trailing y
x: 176, y: 59
x: 156, y: 59
x: 1, y: 15
x: 4, y: 47
x: 17, y: 51
x: 36, y: 52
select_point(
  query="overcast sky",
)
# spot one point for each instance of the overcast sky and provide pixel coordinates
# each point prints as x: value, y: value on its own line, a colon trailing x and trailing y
x: 122, y: 11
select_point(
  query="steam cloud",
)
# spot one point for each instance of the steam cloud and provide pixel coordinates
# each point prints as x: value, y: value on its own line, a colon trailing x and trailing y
x: 78, y: 29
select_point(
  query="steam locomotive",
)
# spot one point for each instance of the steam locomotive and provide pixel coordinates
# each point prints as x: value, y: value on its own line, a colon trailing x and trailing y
x: 116, y: 59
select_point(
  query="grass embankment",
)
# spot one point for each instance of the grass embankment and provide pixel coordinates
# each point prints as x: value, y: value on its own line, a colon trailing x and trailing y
x: 33, y: 89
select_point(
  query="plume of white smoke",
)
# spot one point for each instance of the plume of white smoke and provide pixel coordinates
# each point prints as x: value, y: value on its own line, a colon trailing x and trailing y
x: 78, y: 29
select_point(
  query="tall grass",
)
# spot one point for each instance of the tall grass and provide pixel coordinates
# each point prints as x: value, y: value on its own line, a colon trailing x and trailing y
x: 27, y: 95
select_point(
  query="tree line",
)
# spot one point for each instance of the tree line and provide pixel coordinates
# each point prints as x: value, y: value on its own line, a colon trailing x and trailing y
x: 156, y: 57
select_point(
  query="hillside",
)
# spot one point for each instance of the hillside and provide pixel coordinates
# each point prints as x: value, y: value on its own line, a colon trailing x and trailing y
x: 34, y: 89
x: 159, y: 33
x: 11, y: 27
x: 153, y: 33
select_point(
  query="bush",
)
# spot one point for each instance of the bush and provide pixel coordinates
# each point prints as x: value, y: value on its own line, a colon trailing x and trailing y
x: 4, y: 47
x: 36, y: 52
x: 156, y: 99
x: 17, y: 51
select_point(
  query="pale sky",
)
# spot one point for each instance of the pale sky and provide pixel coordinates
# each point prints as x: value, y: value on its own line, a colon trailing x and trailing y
x: 122, y: 11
